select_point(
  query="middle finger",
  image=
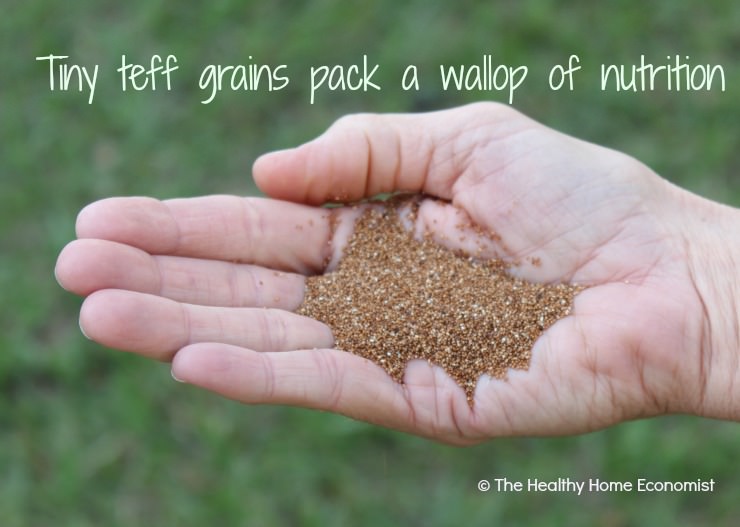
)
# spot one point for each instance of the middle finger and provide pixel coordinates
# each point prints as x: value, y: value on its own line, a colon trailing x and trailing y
x: 89, y: 265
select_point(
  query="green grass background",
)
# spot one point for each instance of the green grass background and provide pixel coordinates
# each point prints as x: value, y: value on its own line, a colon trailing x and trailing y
x: 89, y: 436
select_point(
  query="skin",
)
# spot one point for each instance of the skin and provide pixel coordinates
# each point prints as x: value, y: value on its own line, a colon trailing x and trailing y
x: 209, y: 283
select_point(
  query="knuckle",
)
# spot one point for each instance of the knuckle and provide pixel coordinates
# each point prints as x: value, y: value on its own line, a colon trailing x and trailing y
x: 329, y: 369
x: 355, y: 120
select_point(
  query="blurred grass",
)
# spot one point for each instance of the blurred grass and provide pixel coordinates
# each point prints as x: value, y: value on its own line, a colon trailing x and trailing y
x: 93, y: 437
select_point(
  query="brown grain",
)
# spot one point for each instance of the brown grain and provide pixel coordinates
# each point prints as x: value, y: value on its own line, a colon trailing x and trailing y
x: 393, y: 298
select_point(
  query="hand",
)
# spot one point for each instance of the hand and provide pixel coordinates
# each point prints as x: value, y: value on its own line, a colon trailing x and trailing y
x: 189, y: 280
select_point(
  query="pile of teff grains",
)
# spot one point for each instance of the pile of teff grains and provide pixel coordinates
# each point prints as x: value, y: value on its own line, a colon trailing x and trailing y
x: 393, y: 298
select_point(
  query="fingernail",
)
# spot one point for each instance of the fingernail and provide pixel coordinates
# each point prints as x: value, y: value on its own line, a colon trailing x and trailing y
x: 172, y: 373
x: 56, y: 277
x: 270, y: 156
x: 79, y: 323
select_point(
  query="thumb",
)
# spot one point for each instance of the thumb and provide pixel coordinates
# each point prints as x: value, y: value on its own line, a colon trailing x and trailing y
x: 362, y: 155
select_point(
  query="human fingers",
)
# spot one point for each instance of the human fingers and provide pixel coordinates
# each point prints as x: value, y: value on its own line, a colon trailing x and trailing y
x: 89, y: 265
x: 428, y: 403
x: 157, y: 327
x: 330, y: 380
x: 271, y: 233
x: 367, y: 154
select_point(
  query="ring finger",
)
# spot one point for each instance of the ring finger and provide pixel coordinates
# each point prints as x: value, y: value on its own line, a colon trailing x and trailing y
x: 157, y: 327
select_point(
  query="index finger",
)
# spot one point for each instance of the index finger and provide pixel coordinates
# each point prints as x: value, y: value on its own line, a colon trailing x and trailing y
x: 270, y: 233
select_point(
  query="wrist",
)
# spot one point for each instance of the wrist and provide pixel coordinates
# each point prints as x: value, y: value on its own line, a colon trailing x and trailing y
x: 713, y: 258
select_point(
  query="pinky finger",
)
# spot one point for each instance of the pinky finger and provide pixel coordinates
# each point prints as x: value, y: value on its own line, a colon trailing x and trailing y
x: 324, y: 379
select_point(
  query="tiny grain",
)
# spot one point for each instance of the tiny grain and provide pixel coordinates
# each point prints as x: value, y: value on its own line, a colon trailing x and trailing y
x: 393, y: 298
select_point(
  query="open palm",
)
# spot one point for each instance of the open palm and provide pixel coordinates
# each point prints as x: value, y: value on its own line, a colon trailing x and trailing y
x: 188, y: 280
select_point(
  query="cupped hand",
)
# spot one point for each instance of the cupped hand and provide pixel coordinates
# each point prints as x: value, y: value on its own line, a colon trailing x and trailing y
x: 209, y: 283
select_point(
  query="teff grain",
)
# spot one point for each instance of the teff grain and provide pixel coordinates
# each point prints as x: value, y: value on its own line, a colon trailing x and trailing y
x: 393, y: 299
